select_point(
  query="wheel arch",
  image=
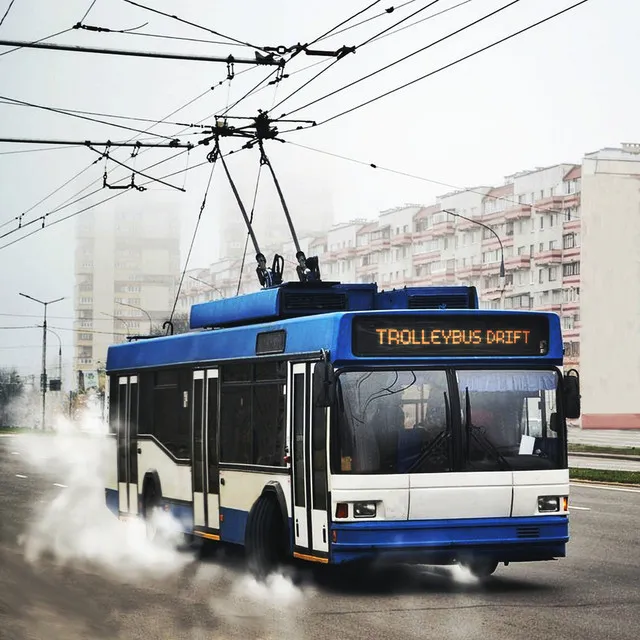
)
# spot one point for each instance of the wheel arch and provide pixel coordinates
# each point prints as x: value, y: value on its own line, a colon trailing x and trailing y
x: 274, y: 489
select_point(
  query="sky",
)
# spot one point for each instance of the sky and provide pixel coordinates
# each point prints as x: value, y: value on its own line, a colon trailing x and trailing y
x: 550, y: 95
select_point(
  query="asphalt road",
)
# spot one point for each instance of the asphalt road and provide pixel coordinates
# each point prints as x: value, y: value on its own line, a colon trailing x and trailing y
x: 69, y: 571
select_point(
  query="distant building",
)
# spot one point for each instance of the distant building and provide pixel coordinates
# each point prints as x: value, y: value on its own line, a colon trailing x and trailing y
x: 540, y: 217
x: 610, y: 301
x: 126, y: 270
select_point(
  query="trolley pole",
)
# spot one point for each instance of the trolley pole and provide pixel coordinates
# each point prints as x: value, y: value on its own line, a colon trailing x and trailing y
x: 43, y: 375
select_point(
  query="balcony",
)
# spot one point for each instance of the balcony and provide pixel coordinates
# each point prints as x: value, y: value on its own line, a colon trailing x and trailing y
x: 382, y: 242
x: 550, y: 307
x: 489, y: 268
x: 571, y: 225
x: 401, y: 239
x: 518, y: 212
x: 552, y: 256
x: 344, y: 252
x: 469, y: 270
x: 426, y: 256
x: 571, y: 200
x: 363, y: 269
x: 552, y: 202
x: 445, y: 228
x: 443, y: 276
x: 517, y: 262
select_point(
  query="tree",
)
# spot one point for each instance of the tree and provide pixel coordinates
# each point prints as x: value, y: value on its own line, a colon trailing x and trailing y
x: 11, y: 388
x: 180, y: 325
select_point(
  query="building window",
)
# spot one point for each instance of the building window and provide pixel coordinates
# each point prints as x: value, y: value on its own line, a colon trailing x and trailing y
x: 553, y: 274
x: 571, y: 269
x: 569, y: 241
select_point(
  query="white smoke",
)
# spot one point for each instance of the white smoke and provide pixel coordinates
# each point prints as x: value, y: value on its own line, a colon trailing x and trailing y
x: 75, y: 525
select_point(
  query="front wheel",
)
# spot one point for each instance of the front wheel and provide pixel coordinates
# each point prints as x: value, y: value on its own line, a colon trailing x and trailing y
x: 265, y: 539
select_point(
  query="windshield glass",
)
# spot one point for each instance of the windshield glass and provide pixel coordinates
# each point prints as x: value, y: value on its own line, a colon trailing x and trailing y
x: 388, y: 419
x: 510, y: 419
x: 403, y: 421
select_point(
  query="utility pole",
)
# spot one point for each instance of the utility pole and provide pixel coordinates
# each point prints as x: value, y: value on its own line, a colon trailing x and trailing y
x: 43, y: 376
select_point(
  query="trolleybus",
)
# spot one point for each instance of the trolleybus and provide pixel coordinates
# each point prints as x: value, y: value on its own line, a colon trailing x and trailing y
x: 334, y: 422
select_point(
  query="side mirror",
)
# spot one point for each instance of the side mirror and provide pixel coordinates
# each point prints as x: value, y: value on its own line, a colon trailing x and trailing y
x: 324, y: 379
x: 572, y: 394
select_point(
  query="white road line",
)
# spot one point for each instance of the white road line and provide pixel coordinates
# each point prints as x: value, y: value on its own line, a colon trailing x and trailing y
x: 62, y: 486
x: 573, y: 506
x: 19, y: 475
x: 602, y: 486
x: 15, y: 453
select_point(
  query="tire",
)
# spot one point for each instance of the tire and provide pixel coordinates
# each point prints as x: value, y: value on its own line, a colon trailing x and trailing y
x: 150, y: 504
x: 480, y: 568
x: 265, y: 540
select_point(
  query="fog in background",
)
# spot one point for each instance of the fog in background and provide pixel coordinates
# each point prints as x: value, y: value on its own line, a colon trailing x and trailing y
x: 545, y: 97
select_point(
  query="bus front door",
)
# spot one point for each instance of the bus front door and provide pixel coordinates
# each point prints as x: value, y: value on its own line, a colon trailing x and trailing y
x: 206, y: 480
x: 309, y: 460
x: 127, y: 421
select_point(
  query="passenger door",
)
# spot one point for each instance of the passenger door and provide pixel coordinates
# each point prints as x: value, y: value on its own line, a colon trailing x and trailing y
x: 308, y: 428
x: 127, y: 437
x: 206, y: 480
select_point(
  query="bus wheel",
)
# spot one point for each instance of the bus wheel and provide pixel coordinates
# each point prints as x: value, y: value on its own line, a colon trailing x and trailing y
x: 480, y: 568
x: 151, y: 504
x: 265, y: 537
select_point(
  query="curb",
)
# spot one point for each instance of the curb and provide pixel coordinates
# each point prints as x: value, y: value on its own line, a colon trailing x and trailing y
x: 601, y: 483
x: 607, y: 456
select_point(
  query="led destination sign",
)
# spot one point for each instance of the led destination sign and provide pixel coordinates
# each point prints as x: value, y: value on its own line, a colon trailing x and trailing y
x: 524, y: 335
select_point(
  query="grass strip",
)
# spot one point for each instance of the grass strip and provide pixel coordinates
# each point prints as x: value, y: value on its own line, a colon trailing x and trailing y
x: 605, y: 475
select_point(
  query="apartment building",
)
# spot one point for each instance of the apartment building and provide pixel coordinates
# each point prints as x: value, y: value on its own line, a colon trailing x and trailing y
x: 126, y: 270
x: 535, y: 221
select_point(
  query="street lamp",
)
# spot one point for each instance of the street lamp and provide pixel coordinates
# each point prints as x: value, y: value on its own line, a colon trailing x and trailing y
x: 59, y: 353
x: 208, y: 285
x: 126, y: 304
x: 109, y: 315
x: 43, y: 381
x: 482, y: 224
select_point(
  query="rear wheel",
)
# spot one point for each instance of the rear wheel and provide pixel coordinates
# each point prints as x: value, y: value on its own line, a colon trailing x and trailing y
x: 265, y: 538
x: 480, y: 568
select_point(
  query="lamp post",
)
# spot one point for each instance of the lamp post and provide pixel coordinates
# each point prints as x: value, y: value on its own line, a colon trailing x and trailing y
x: 43, y: 379
x: 126, y: 304
x: 109, y: 315
x: 59, y: 353
x: 482, y: 224
x: 208, y: 285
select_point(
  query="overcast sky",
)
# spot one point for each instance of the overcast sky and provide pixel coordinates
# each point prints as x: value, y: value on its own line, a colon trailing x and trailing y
x: 547, y: 96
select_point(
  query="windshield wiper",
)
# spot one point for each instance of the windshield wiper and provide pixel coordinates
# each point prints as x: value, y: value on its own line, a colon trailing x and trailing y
x: 443, y: 435
x: 479, y: 435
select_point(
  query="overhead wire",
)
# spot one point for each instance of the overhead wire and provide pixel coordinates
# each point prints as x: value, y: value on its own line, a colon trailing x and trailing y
x: 22, y: 46
x: 6, y: 13
x: 193, y: 24
x: 383, y: 34
x: 19, y: 151
x: 349, y: 19
x: 455, y: 62
x: 378, y: 15
x: 411, y: 15
x: 193, y: 240
x: 246, y: 242
x: 413, y: 176
x: 11, y: 102
x: 84, y: 17
x: 77, y: 115
x: 404, y: 58
x: 76, y: 213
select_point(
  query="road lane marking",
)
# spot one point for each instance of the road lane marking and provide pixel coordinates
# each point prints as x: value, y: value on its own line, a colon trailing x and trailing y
x: 15, y: 453
x: 19, y: 475
x: 573, y: 506
x: 602, y: 486
x: 62, y: 486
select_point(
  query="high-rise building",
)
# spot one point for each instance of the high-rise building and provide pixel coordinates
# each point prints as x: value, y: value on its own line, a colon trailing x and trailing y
x: 126, y: 270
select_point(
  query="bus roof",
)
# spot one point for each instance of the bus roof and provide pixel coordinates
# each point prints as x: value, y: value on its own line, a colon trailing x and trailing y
x: 361, y: 337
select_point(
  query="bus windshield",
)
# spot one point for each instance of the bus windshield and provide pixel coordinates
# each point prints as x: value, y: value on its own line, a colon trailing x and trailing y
x: 434, y: 421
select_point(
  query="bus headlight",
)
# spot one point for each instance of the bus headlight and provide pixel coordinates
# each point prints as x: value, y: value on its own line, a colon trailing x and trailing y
x: 364, y: 509
x: 548, y: 503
